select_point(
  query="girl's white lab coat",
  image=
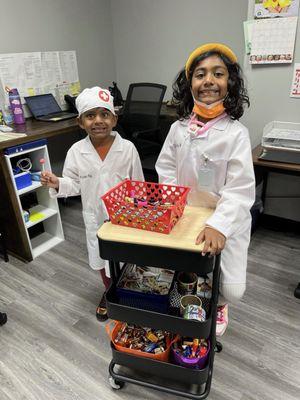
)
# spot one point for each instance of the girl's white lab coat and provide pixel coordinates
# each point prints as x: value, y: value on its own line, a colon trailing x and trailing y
x: 221, y: 159
x: 85, y: 174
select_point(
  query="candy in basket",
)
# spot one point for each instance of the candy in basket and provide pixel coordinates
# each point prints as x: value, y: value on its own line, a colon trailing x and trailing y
x: 146, y: 205
x: 146, y: 279
x: 145, y: 287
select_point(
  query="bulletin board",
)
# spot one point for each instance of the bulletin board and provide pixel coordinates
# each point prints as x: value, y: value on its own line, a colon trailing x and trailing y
x: 35, y: 73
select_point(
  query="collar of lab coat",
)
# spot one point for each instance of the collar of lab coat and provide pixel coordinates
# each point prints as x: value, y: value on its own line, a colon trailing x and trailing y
x: 220, y: 125
x: 116, y: 146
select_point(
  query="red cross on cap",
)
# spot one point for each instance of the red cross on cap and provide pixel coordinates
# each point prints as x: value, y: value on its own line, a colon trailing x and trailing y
x: 103, y: 95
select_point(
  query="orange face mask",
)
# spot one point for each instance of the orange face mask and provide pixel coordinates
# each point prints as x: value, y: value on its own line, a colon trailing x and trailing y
x: 208, y: 113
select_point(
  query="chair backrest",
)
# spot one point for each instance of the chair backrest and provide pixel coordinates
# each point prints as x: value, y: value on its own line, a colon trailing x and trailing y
x: 142, y: 106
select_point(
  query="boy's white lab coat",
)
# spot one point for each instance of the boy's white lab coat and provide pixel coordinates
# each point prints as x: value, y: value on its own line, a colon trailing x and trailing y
x: 221, y: 157
x: 85, y: 174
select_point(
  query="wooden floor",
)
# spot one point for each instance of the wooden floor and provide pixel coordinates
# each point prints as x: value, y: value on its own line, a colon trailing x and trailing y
x: 54, y: 348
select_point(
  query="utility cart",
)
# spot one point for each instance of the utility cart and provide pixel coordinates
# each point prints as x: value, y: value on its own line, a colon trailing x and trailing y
x: 176, y: 251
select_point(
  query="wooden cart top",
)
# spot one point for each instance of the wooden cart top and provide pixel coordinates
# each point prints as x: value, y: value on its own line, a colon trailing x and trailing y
x: 182, y: 236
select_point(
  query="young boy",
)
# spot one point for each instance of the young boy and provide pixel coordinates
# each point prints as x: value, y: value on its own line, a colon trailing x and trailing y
x: 92, y: 167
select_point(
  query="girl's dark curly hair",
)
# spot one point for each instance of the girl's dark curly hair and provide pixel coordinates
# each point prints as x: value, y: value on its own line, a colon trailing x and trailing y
x: 235, y: 100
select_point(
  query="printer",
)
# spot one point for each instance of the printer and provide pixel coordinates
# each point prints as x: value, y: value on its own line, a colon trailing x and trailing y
x: 281, y: 142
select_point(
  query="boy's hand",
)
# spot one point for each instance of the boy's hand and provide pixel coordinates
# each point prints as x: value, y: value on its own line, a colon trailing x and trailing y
x: 214, y: 241
x: 49, y: 179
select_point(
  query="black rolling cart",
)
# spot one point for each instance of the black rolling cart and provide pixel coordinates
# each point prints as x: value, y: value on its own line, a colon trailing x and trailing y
x: 178, y: 252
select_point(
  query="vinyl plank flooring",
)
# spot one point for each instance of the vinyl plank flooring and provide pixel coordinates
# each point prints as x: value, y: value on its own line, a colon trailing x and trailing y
x: 54, y: 348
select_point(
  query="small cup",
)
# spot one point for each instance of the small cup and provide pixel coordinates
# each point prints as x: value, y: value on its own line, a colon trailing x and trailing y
x: 187, y: 282
x: 189, y: 299
x: 193, y: 312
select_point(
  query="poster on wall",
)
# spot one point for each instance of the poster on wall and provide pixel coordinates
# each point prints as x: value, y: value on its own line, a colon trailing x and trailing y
x: 273, y: 41
x: 295, y: 88
x: 276, y: 8
x: 248, y: 25
x: 36, y: 73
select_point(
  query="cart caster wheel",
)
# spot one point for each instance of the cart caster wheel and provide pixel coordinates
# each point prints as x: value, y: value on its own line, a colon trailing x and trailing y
x: 116, y: 385
x: 297, y: 291
x: 218, y: 347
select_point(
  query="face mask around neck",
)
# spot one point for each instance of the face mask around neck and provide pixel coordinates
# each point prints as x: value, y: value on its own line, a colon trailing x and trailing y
x: 208, y: 111
x: 208, y: 106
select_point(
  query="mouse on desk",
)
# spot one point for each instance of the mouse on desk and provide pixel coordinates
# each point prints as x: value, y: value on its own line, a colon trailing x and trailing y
x: 5, y: 128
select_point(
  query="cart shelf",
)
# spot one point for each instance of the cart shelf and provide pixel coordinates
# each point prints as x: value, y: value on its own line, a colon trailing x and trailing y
x: 154, y: 319
x: 160, y: 368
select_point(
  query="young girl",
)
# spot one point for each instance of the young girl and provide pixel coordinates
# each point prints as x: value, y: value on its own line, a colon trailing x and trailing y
x: 209, y: 150
x: 92, y: 167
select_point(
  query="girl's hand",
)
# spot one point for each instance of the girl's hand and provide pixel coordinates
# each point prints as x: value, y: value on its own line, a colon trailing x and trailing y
x: 49, y: 179
x: 214, y: 241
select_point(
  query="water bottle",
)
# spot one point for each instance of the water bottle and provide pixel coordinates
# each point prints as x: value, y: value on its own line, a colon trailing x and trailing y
x: 16, y: 106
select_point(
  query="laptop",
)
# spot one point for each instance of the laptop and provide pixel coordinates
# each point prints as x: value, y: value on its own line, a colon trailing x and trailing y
x: 44, y: 107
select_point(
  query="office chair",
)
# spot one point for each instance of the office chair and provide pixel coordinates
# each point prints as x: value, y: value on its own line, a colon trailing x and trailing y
x: 140, y: 121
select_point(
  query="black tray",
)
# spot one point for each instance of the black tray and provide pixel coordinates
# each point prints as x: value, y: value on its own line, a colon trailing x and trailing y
x: 176, y: 259
x: 154, y: 319
x: 160, y: 368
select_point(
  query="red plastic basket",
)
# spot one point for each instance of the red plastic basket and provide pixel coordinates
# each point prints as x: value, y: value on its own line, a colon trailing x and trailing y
x: 146, y: 205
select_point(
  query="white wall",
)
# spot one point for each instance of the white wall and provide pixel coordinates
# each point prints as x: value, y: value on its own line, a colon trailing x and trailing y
x: 152, y: 39
x: 81, y: 25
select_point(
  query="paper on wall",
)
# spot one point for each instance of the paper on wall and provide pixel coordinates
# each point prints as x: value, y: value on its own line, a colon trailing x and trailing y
x: 295, y: 88
x: 248, y: 26
x: 273, y: 41
x: 274, y: 8
x: 35, y: 73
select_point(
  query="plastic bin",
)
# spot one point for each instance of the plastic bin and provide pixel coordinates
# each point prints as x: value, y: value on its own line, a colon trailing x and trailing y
x: 23, y: 180
x: 141, y: 214
x: 112, y: 332
x: 198, y: 363
x: 145, y: 301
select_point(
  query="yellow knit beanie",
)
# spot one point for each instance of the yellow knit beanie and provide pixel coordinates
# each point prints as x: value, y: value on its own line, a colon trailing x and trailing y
x: 218, y: 47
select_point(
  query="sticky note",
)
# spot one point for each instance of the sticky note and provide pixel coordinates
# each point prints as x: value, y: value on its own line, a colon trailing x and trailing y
x: 36, y: 216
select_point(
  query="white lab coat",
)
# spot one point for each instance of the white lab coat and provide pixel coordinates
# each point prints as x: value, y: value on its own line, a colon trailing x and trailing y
x: 85, y: 174
x: 226, y: 150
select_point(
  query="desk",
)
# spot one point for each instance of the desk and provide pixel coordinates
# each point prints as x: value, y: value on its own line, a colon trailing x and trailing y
x: 168, y: 112
x: 40, y: 130
x: 16, y: 239
x: 262, y: 169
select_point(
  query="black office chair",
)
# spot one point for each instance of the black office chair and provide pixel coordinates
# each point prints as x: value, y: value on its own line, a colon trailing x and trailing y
x: 140, y: 121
